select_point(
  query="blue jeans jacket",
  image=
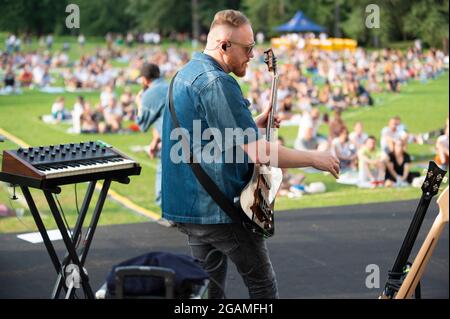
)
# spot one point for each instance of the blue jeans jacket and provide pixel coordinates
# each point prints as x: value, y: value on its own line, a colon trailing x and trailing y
x: 206, y: 97
x: 153, y: 102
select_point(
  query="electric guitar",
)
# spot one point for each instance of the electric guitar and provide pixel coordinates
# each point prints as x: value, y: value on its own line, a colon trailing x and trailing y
x: 257, y: 199
x: 430, y: 187
x: 423, y: 256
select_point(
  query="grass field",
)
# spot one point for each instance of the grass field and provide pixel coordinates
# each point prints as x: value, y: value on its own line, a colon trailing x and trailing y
x: 422, y: 107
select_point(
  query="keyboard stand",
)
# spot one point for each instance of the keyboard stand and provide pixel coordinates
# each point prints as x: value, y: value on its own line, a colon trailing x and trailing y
x: 71, y: 271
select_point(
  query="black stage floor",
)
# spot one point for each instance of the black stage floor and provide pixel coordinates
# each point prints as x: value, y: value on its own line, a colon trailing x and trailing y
x: 316, y: 253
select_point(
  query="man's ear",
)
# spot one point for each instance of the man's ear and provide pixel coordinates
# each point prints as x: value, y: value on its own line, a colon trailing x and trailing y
x: 224, y: 45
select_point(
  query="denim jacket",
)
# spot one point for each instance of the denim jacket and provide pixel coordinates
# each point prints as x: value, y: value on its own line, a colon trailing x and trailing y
x: 204, y: 95
x: 153, y: 101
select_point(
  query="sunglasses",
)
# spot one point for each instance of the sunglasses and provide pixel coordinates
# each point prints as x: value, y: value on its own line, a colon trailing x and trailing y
x: 248, y: 47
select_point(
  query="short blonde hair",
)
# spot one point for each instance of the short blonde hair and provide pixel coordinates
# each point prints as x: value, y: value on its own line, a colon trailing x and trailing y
x: 230, y: 18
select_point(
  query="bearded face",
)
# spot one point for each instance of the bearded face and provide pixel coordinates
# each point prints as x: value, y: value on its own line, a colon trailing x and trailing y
x: 240, y: 50
x: 239, y: 66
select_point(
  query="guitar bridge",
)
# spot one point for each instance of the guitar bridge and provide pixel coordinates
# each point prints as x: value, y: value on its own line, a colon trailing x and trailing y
x: 265, y: 210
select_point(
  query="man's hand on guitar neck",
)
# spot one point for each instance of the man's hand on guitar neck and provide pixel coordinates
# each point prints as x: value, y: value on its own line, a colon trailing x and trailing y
x: 268, y: 153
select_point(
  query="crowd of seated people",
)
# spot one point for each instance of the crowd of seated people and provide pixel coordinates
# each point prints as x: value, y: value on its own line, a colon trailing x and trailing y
x: 28, y: 70
x: 339, y: 79
x: 105, y: 116
x: 45, y: 66
x: 308, y: 79
x: 367, y: 161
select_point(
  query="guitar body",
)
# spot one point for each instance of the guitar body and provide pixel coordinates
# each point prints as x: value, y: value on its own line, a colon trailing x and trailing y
x: 258, y: 197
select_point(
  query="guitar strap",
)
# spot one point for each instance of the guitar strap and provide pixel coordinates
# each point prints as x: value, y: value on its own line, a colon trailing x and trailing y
x: 234, y: 212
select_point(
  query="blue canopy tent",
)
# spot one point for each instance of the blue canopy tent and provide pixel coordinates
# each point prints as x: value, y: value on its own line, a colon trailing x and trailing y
x: 300, y: 23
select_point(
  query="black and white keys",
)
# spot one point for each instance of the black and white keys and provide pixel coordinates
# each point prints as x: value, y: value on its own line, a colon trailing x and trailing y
x: 82, y: 167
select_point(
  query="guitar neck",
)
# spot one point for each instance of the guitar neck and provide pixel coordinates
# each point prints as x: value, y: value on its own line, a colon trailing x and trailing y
x: 424, y: 255
x: 411, y: 235
x: 430, y: 187
x: 273, y: 105
x: 407, y: 245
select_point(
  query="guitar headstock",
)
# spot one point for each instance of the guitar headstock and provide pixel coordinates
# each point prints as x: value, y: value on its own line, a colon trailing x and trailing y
x: 271, y: 61
x: 433, y: 179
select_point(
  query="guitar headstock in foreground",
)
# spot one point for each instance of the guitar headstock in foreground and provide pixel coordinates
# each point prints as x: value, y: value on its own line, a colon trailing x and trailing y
x: 433, y: 179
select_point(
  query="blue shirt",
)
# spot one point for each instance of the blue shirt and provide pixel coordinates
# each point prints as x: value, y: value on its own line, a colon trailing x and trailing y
x: 153, y: 101
x: 204, y: 94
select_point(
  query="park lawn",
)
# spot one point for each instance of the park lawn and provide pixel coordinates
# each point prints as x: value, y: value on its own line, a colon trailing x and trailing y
x: 422, y: 107
x: 340, y: 195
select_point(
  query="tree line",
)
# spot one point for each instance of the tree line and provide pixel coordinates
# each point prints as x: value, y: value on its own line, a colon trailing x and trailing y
x: 399, y: 19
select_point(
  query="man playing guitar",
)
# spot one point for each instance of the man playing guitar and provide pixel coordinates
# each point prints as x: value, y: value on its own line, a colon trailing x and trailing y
x: 203, y: 91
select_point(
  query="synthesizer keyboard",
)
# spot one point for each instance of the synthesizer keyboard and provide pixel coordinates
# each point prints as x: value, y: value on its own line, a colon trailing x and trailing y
x: 68, y: 161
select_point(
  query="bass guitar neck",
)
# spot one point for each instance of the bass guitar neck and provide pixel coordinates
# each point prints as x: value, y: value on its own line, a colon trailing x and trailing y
x: 424, y: 255
x: 430, y: 187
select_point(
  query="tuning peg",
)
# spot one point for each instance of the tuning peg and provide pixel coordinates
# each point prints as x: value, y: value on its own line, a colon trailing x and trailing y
x: 444, y: 180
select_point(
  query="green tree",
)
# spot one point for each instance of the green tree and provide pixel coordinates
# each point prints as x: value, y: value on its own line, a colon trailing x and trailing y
x: 101, y: 16
x: 354, y: 26
x: 176, y: 15
x: 399, y: 20
x: 161, y: 15
x: 207, y: 10
x: 37, y: 17
x: 428, y: 20
x: 320, y: 12
x: 266, y: 14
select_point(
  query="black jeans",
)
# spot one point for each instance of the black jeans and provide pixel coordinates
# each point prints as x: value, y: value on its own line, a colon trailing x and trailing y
x: 213, y: 244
